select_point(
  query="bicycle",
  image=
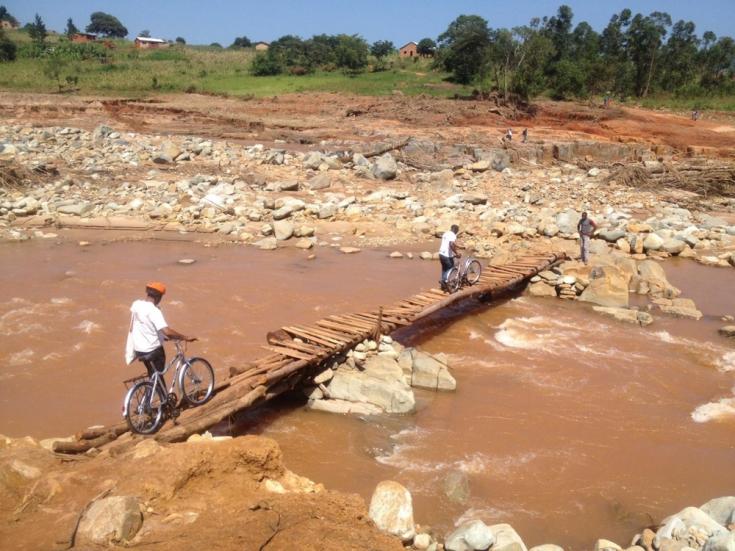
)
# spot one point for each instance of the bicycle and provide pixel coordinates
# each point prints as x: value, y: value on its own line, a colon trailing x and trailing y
x: 468, y: 272
x: 147, y: 404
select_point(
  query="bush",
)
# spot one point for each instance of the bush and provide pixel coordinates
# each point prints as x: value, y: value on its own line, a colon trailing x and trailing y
x: 265, y: 65
x: 298, y: 70
x: 8, y: 48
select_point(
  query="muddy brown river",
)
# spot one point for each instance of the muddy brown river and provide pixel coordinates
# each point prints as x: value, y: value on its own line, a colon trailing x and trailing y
x: 567, y: 425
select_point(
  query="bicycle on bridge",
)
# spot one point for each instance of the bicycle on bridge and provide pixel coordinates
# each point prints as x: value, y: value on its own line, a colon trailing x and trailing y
x: 464, y: 273
x: 148, y: 403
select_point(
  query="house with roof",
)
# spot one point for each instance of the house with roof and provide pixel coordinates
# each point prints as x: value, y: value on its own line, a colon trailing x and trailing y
x: 261, y: 46
x: 81, y: 38
x: 149, y: 42
x: 409, y: 50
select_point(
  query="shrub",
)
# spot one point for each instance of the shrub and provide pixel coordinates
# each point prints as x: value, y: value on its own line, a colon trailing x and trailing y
x: 265, y: 65
x: 8, y: 48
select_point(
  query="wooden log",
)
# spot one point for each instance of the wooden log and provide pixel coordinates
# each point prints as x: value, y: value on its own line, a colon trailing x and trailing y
x: 310, y: 337
x: 391, y: 147
x: 290, y: 353
x: 95, y: 432
x: 183, y: 431
x: 81, y: 446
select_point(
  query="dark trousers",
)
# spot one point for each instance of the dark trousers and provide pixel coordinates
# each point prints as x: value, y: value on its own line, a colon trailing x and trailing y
x: 447, y: 263
x: 155, y: 359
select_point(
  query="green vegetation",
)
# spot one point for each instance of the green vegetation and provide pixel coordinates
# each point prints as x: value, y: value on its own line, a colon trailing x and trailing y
x: 647, y: 58
x: 634, y: 56
x: 5, y: 16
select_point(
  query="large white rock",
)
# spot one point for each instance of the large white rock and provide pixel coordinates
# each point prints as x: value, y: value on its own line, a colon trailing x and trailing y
x: 720, y: 542
x: 653, y: 242
x: 721, y: 509
x: 283, y: 230
x: 677, y: 525
x: 470, y: 536
x: 381, y: 383
x: 429, y: 373
x: 391, y: 509
x: 112, y: 519
x: 385, y: 167
x: 608, y: 287
x: 654, y: 275
x: 506, y: 538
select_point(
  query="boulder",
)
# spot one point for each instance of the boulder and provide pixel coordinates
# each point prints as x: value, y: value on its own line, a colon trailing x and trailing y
x: 470, y: 536
x: 312, y: 160
x: 391, y: 509
x: 342, y: 407
x: 429, y: 373
x: 381, y: 384
x: 676, y: 526
x: 726, y: 331
x: 653, y: 274
x: 682, y: 308
x: 349, y: 250
x: 673, y: 246
x: 457, y: 487
x: 76, y: 209
x: 283, y: 230
x: 421, y: 541
x: 607, y: 545
x: 267, y: 244
x: 110, y: 520
x: 721, y: 509
x: 506, y: 538
x: 549, y: 547
x: 626, y: 315
x: 652, y: 242
x: 608, y: 287
x: 611, y: 235
x: 567, y: 221
x: 322, y: 181
x: 385, y: 167
x: 541, y: 289
x: 720, y: 542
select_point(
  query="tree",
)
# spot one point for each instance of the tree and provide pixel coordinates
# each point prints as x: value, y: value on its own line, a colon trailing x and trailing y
x: 7, y: 47
x: 37, y: 31
x: 241, y: 42
x: 71, y: 28
x: 265, y: 65
x: 216, y: 45
x: 645, y: 36
x: 426, y: 47
x: 352, y: 53
x: 145, y: 33
x: 465, y: 44
x: 5, y: 16
x: 680, y: 56
x: 382, y: 48
x: 107, y: 25
x: 558, y: 30
x: 534, y: 52
x: 321, y: 50
x: 180, y: 40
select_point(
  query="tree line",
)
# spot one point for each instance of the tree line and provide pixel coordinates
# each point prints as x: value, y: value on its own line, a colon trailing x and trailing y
x: 634, y: 55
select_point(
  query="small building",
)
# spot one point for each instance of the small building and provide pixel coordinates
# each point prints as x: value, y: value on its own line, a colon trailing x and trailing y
x: 148, y: 42
x: 409, y: 50
x: 81, y: 38
x: 5, y: 24
x: 261, y: 46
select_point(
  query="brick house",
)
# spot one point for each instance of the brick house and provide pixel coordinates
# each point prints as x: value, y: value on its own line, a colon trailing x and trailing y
x: 81, y: 38
x: 146, y: 42
x: 409, y: 50
x: 261, y: 46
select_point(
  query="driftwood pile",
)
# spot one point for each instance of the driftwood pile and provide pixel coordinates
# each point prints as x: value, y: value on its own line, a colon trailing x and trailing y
x: 705, y: 180
x: 299, y: 352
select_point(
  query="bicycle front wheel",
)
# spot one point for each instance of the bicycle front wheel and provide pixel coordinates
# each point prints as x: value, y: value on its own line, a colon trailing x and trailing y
x: 453, y: 280
x: 144, y: 408
x: 197, y: 381
x: 474, y: 271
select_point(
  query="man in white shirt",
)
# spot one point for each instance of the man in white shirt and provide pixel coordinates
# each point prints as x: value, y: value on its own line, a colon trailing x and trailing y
x: 148, y: 329
x: 448, y: 250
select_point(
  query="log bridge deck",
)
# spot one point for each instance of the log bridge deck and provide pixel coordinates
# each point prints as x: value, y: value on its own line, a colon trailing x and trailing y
x: 297, y: 352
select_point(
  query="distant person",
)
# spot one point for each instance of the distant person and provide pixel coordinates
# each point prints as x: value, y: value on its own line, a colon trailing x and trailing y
x: 509, y: 135
x: 695, y: 115
x: 148, y: 330
x: 448, y: 250
x: 586, y: 227
x: 606, y: 101
x: 524, y: 135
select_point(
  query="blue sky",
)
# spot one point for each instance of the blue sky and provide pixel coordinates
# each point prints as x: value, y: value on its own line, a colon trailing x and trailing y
x: 203, y: 22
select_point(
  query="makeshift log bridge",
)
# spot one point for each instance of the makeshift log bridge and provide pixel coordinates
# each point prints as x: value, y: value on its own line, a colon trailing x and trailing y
x: 297, y: 352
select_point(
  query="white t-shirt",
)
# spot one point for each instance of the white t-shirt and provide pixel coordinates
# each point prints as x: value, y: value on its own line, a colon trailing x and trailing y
x: 447, y: 238
x: 147, y: 322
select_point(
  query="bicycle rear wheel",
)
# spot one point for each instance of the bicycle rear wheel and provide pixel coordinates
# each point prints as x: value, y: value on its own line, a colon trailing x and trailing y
x: 197, y: 381
x: 453, y: 280
x: 144, y: 408
x: 474, y: 271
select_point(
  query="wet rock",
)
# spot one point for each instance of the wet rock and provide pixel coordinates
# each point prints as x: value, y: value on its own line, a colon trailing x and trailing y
x: 349, y: 250
x: 506, y: 538
x: 608, y: 287
x: 550, y: 547
x: 112, y: 519
x: 381, y: 384
x: 305, y: 244
x: 654, y: 275
x: 673, y: 246
x: 726, y: 331
x: 391, y: 509
x: 396, y: 254
x: 267, y: 244
x: 677, y: 525
x: 421, y: 541
x: 472, y: 536
x: 680, y: 307
x: 457, y: 487
x: 626, y: 315
x: 722, y: 509
x: 541, y: 289
x: 429, y: 373
x: 385, y: 167
x: 653, y: 242
x: 343, y: 407
x: 283, y: 230
x: 186, y: 261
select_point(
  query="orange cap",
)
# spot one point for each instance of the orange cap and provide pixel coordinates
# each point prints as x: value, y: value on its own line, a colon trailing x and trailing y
x: 157, y: 286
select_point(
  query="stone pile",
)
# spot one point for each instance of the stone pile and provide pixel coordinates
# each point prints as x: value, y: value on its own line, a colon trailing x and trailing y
x: 377, y: 377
